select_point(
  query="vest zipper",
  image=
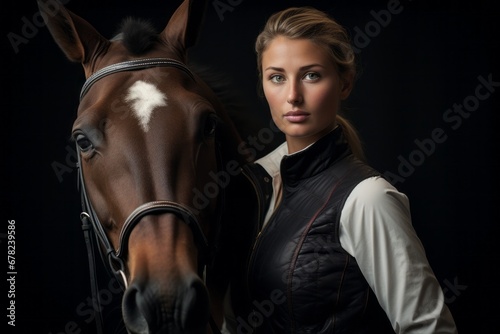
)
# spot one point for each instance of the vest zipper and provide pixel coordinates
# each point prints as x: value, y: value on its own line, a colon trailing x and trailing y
x: 257, y: 238
x: 259, y: 199
x: 261, y: 229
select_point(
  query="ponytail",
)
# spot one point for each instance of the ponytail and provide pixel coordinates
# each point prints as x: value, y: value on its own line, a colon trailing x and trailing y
x: 352, y: 137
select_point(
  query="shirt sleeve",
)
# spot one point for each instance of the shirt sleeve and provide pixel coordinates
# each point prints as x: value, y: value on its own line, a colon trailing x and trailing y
x: 376, y: 229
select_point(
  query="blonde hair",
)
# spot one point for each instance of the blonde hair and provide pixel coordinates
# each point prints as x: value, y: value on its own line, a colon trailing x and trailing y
x: 318, y: 27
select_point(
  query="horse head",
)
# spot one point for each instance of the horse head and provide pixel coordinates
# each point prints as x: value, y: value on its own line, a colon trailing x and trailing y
x: 152, y: 138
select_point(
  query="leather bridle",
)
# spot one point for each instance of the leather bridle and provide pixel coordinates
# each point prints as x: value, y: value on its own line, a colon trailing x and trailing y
x: 116, y: 259
x: 132, y: 65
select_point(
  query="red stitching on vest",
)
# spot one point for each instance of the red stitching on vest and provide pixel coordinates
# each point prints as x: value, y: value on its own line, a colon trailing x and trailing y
x: 294, y: 259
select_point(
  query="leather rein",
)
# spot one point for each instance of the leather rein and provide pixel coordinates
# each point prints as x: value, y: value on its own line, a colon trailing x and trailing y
x: 116, y: 259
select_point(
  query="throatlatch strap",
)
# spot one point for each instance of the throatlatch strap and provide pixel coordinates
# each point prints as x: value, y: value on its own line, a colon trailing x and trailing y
x: 88, y: 235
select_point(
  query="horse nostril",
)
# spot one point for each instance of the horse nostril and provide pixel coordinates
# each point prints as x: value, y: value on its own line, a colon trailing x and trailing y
x: 133, y: 312
x: 195, y: 307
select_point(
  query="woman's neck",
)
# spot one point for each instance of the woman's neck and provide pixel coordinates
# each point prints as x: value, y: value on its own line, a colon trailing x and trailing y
x: 296, y: 144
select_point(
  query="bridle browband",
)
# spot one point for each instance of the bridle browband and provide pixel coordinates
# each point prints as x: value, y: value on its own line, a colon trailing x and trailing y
x: 132, y: 65
x: 116, y: 259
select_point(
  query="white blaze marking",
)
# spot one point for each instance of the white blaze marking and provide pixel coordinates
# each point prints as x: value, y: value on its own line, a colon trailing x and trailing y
x: 144, y: 97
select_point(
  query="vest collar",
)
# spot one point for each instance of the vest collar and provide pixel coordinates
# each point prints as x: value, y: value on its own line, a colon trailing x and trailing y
x: 315, y: 158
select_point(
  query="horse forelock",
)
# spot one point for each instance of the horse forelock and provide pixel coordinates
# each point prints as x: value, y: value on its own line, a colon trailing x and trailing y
x: 137, y: 35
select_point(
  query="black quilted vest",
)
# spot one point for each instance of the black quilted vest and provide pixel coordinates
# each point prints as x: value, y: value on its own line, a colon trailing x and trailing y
x: 300, y: 279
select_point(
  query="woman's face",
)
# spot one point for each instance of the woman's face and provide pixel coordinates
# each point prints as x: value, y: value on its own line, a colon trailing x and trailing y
x: 303, y: 89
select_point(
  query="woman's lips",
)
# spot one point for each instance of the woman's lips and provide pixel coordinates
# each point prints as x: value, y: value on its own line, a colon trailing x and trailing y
x: 296, y: 116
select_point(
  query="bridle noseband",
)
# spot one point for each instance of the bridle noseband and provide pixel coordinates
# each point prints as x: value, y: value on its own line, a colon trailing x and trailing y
x: 183, y: 212
x: 116, y: 259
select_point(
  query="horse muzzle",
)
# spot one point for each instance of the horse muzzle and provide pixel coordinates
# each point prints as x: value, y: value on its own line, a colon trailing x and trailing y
x: 181, y: 306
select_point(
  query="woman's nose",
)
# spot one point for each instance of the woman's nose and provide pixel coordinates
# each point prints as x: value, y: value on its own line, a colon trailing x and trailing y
x: 295, y: 94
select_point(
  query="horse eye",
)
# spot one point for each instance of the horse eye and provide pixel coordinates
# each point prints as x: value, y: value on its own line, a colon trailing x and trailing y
x: 211, y: 122
x: 83, y: 142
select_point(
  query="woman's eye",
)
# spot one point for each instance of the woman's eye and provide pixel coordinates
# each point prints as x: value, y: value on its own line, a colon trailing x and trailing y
x: 277, y: 78
x: 311, y: 76
x: 83, y: 142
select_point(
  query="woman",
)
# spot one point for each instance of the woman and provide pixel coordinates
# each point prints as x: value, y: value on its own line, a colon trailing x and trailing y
x: 336, y: 251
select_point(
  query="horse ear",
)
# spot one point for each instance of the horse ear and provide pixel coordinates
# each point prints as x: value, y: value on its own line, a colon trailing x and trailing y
x: 75, y: 36
x: 183, y: 27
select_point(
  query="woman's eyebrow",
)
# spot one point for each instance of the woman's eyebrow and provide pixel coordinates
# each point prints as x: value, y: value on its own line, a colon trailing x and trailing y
x: 302, y: 68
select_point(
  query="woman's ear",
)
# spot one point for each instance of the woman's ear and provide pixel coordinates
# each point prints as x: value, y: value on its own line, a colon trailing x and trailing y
x: 347, y: 83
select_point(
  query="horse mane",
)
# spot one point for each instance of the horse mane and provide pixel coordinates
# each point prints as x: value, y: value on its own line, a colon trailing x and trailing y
x: 137, y: 35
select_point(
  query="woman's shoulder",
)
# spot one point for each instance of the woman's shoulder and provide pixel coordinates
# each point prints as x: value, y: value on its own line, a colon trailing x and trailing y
x: 374, y: 209
x: 376, y: 193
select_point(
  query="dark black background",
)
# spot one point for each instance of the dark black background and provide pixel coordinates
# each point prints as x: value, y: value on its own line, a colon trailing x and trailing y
x: 425, y: 60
